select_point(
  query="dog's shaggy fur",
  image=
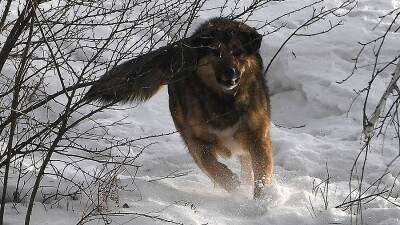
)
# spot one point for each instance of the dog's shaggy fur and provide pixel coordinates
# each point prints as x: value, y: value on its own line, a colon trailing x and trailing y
x: 217, y: 97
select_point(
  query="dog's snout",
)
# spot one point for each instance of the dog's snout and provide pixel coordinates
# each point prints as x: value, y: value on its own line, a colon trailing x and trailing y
x: 230, y: 74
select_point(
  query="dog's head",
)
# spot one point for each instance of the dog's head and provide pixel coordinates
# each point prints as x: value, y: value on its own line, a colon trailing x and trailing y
x: 229, y: 53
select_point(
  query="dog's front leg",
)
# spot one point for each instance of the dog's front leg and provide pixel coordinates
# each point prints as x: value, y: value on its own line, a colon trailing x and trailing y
x: 205, y: 155
x: 261, y: 157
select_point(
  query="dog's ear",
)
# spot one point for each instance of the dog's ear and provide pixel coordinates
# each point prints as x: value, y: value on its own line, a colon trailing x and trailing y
x: 202, y: 40
x: 251, y: 40
x: 140, y: 78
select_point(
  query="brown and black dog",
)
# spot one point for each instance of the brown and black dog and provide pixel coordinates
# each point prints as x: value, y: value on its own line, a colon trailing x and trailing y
x: 218, y: 97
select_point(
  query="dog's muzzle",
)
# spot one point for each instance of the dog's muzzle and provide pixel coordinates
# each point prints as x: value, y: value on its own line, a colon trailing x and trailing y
x: 230, y: 79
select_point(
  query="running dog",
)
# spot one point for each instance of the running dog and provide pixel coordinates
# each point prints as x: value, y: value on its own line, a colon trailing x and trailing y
x: 218, y: 98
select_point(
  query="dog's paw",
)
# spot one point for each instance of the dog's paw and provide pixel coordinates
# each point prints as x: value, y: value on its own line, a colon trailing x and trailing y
x: 259, y: 186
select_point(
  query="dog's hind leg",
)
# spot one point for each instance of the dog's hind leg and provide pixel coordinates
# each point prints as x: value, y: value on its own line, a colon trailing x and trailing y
x: 204, y: 154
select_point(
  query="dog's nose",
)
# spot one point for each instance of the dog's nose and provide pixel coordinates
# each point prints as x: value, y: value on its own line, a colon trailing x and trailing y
x: 230, y: 74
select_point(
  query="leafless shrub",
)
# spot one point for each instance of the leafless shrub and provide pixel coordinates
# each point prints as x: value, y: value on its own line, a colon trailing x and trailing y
x: 51, y: 51
x: 380, y: 120
x: 320, y: 190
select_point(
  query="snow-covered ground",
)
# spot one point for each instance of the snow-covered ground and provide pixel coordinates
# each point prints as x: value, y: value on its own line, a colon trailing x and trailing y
x: 313, y: 132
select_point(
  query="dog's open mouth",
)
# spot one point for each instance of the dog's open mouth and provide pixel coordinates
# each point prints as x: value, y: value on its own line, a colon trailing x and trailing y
x: 229, y: 84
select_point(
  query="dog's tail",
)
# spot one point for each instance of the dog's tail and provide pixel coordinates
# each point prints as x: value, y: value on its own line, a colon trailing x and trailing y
x: 140, y: 78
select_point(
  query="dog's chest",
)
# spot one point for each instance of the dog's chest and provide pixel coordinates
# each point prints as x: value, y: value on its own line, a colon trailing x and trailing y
x: 228, y: 140
x: 221, y: 113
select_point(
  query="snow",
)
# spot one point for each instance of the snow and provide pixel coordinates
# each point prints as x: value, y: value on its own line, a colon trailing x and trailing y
x: 314, y: 130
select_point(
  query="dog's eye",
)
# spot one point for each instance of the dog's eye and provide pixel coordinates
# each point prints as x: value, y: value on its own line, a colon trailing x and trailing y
x: 236, y: 52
